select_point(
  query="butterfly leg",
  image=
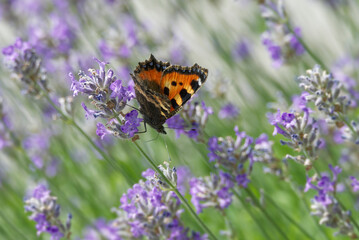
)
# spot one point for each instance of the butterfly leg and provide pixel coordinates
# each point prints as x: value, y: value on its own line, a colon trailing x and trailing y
x: 145, y: 128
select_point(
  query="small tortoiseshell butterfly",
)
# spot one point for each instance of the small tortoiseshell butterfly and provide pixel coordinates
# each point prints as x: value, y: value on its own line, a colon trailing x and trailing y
x: 162, y: 89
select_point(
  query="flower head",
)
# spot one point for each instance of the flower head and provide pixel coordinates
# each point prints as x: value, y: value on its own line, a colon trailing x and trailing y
x: 193, y: 115
x: 282, y: 44
x: 109, y: 96
x: 25, y: 66
x: 325, y: 205
x: 229, y: 111
x: 301, y: 132
x: 151, y: 210
x: 231, y: 154
x: 211, y: 191
x: 46, y: 213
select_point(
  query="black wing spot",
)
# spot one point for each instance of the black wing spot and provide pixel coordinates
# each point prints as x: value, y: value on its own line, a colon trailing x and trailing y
x: 181, y: 83
x: 173, y: 83
x: 194, y: 85
x: 174, y: 103
x: 184, y: 95
x: 166, y: 91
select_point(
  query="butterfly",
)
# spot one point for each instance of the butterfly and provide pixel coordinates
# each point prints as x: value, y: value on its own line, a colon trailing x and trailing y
x: 162, y: 89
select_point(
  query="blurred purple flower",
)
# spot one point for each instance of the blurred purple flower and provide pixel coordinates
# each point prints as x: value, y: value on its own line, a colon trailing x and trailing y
x: 241, y: 50
x: 211, y: 191
x: 26, y: 66
x: 229, y: 111
x: 194, y: 113
x: 354, y: 184
x: 45, y: 212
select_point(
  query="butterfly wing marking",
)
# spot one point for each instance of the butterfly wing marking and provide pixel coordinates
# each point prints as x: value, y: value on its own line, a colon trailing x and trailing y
x: 154, y: 106
x: 151, y: 70
x: 179, y: 84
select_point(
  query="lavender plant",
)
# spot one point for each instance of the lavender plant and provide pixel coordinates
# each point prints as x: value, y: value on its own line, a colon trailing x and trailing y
x: 46, y: 213
x: 109, y: 97
x: 282, y: 44
x: 221, y: 190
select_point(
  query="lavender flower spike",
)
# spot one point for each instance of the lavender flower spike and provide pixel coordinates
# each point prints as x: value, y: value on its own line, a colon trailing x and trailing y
x: 301, y: 132
x: 148, y: 211
x: 46, y: 213
x: 25, y: 66
x: 325, y: 205
x: 109, y: 97
x: 326, y: 93
x: 211, y: 191
x: 231, y: 155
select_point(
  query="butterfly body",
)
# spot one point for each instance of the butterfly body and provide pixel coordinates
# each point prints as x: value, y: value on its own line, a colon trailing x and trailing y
x: 162, y: 89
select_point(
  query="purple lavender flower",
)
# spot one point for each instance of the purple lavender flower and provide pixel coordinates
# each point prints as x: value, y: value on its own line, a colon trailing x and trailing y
x: 211, y: 191
x: 4, y: 128
x: 37, y: 146
x: 120, y: 42
x: 325, y: 205
x: 301, y: 132
x: 25, y: 66
x: 325, y: 91
x: 46, y: 212
x: 241, y: 50
x: 229, y: 111
x: 150, y: 210
x: 295, y: 43
x: 344, y: 70
x: 103, y: 230
x: 131, y: 123
x: 194, y: 116
x: 183, y: 176
x: 280, y: 42
x: 330, y: 98
x: 354, y: 184
x: 110, y: 97
x: 262, y: 152
x: 231, y: 154
x: 54, y: 39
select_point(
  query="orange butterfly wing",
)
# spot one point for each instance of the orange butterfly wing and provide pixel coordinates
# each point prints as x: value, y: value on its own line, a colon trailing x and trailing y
x: 180, y: 83
x: 151, y: 70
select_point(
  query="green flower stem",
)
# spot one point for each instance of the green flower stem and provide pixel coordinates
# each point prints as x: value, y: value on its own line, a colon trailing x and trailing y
x: 183, y: 200
x: 309, y: 51
x: 72, y: 122
x: 307, y: 207
x: 267, y: 236
x: 266, y: 214
x: 294, y: 223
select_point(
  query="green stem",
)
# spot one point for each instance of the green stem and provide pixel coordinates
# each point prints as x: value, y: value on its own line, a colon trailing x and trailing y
x: 16, y: 229
x: 87, y: 137
x: 183, y: 200
x: 267, y: 236
x: 266, y: 214
x: 287, y: 216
